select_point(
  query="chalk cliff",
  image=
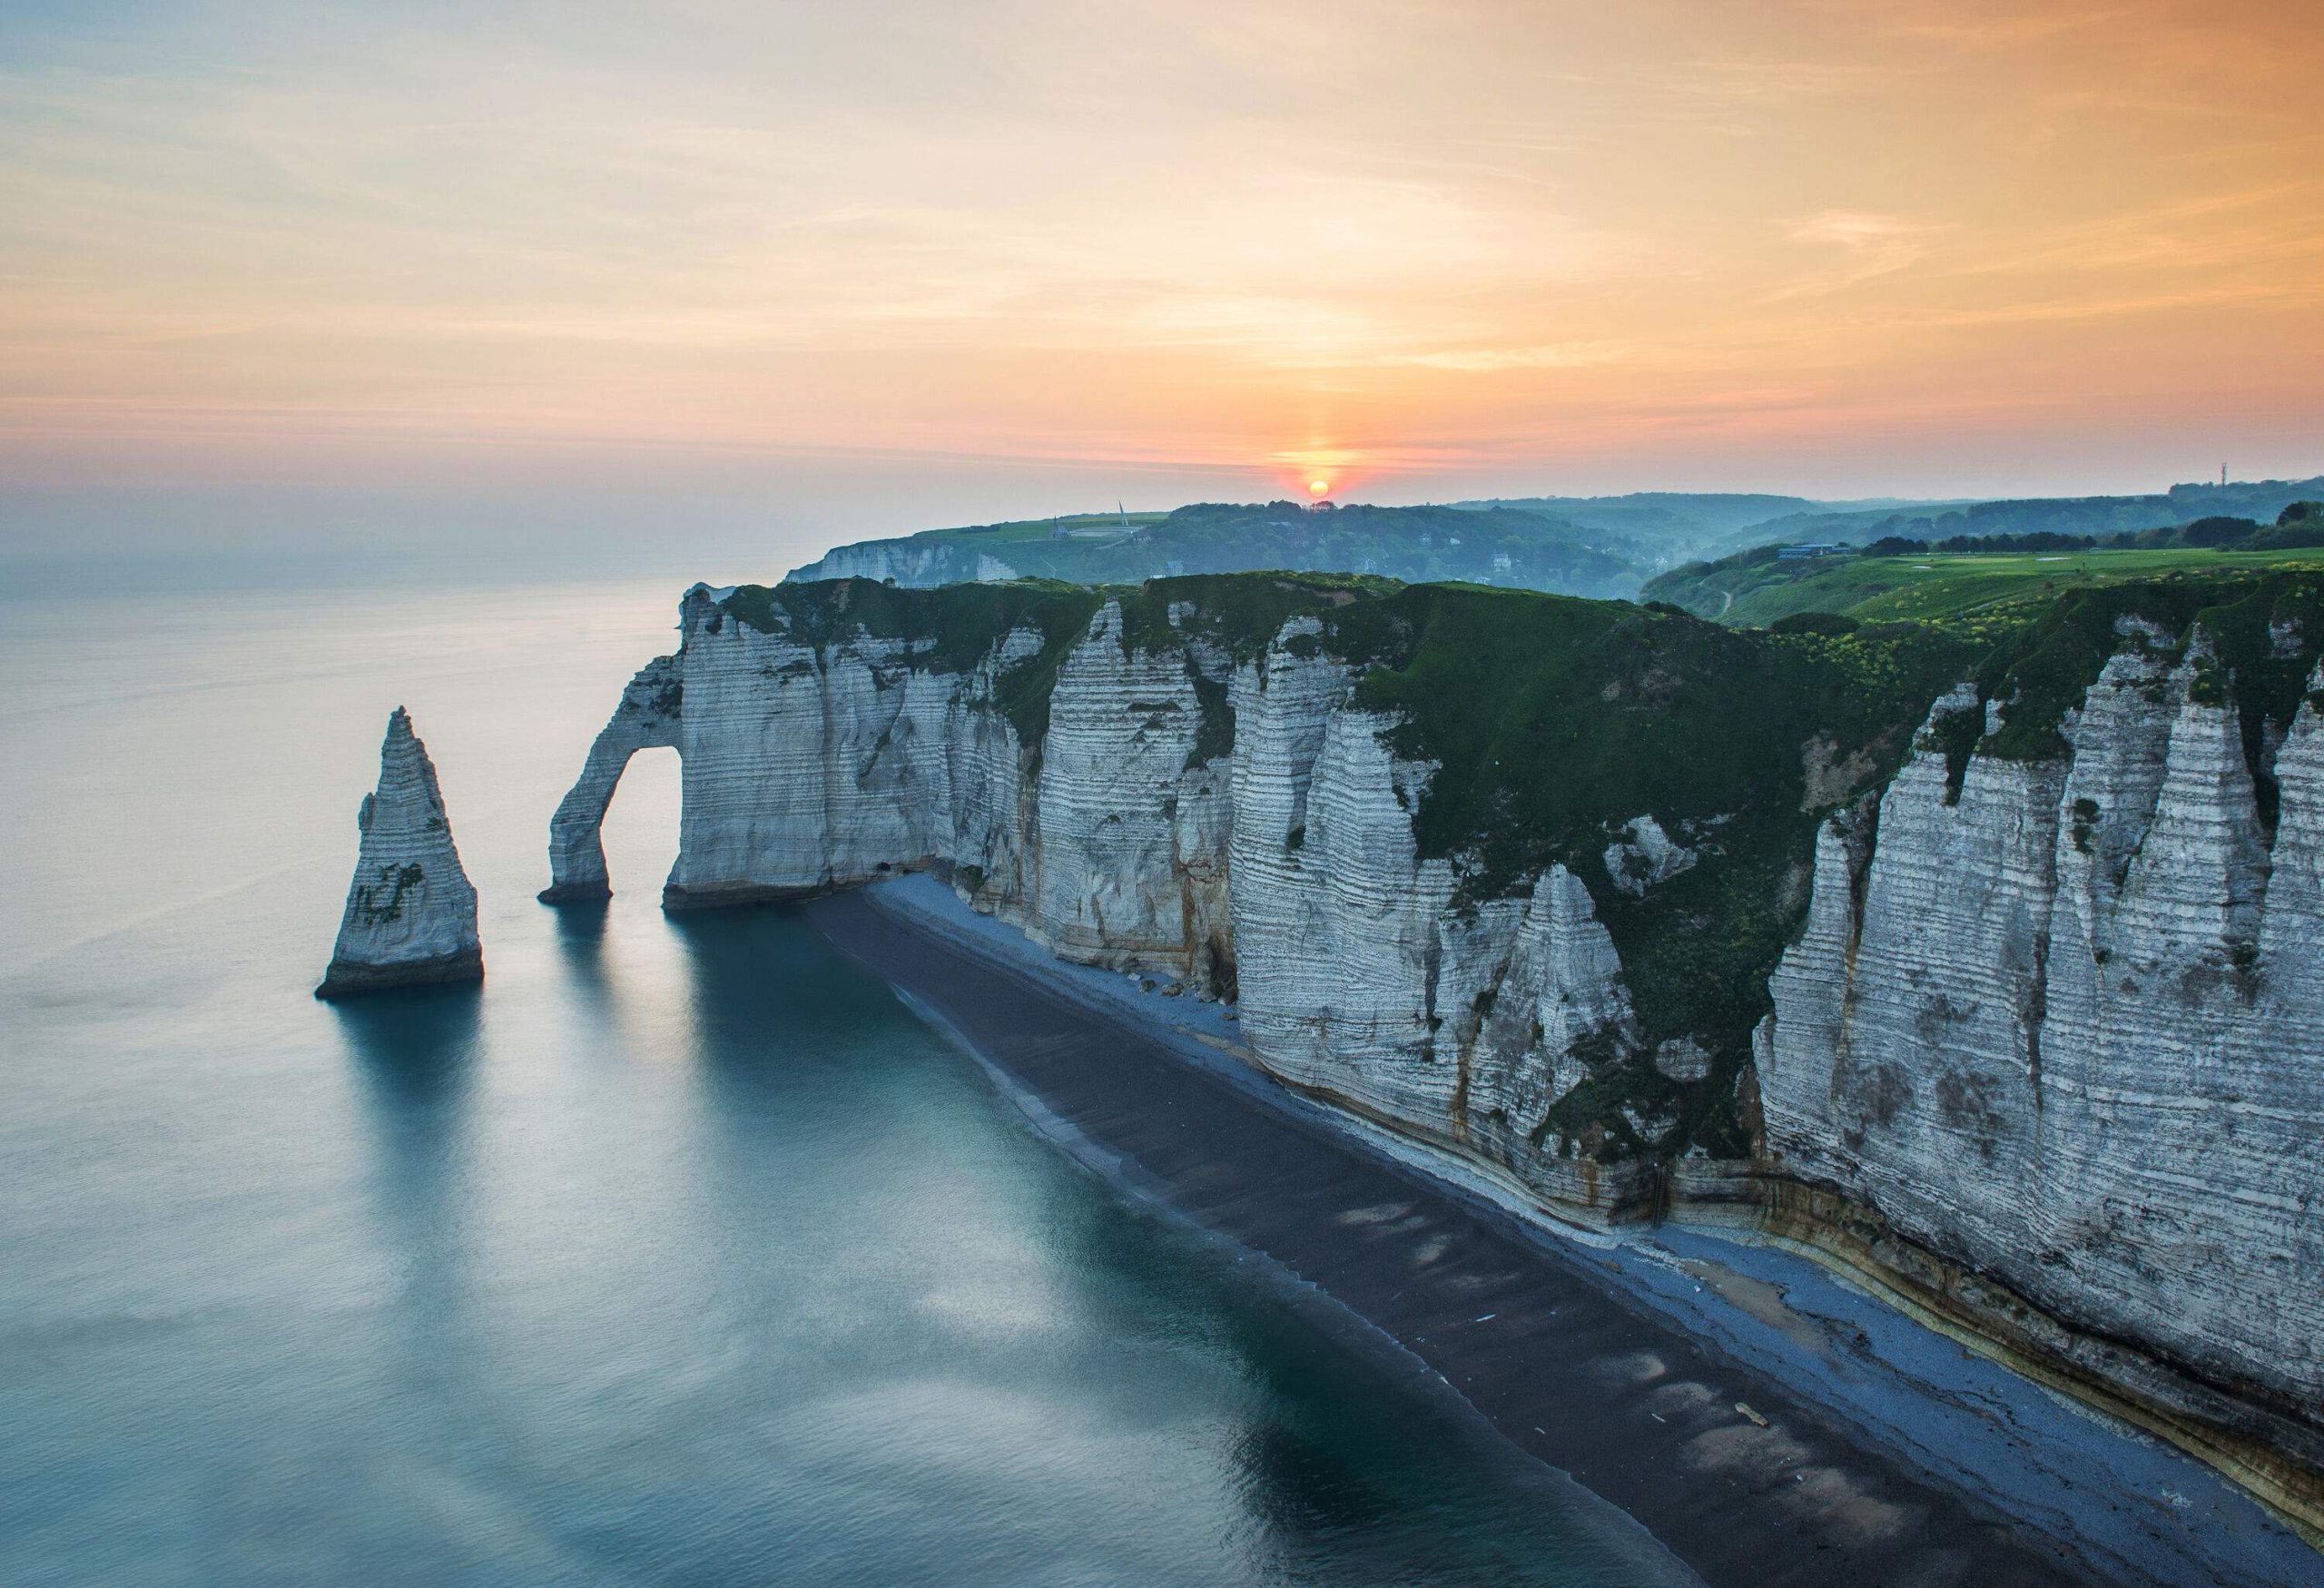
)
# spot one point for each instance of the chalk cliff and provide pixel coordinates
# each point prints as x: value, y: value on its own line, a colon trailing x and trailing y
x: 410, y: 917
x: 907, y: 562
x: 2016, y: 1001
x: 2057, y: 1022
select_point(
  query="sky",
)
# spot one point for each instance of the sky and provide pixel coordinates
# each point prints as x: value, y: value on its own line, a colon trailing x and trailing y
x: 756, y: 279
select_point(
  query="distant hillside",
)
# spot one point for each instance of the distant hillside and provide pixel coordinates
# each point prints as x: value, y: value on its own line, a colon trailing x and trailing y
x: 1671, y: 525
x: 2256, y: 499
x: 1576, y: 546
x: 1511, y: 547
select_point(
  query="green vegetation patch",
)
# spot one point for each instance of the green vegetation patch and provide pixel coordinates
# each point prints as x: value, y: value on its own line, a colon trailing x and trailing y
x: 397, y: 881
x: 1215, y: 735
x: 1554, y: 721
x: 1238, y: 614
x: 1969, y: 590
x: 1068, y: 526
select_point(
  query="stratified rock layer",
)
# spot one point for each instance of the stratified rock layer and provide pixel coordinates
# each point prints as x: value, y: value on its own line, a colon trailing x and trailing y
x: 410, y: 917
x: 2046, y: 1055
x: 2066, y: 1031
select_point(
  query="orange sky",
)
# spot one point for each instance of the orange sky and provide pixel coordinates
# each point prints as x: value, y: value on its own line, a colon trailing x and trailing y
x: 1062, y: 251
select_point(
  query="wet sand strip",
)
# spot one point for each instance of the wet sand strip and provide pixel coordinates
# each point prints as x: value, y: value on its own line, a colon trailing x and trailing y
x: 1744, y: 1483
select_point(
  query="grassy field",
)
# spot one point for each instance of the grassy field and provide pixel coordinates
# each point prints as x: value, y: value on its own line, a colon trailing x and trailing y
x: 1936, y: 586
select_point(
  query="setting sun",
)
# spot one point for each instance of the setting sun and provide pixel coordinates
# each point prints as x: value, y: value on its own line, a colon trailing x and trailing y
x: 1317, y: 487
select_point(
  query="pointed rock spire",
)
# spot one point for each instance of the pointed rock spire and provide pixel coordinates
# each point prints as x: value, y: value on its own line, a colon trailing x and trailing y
x: 410, y: 916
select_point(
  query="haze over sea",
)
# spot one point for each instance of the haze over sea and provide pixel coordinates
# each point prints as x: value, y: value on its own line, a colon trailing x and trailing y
x: 680, y: 1252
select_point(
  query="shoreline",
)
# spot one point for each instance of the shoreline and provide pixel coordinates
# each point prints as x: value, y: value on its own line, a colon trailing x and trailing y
x: 1125, y: 1177
x: 1871, y: 1442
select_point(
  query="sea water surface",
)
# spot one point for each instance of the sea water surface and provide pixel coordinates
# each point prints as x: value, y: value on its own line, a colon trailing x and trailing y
x: 680, y: 1253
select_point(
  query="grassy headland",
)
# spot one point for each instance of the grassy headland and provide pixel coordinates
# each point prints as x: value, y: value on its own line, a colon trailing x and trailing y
x: 1899, y: 579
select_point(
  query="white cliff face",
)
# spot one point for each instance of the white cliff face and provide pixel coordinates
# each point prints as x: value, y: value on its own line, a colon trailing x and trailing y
x: 2060, y: 1025
x: 1559, y: 1006
x: 910, y: 566
x: 410, y: 917
x: 994, y: 820
x: 1362, y: 979
x: 1941, y: 1046
x: 913, y: 566
x: 2066, y: 1031
x: 808, y: 766
x: 1116, y: 779
x: 805, y: 766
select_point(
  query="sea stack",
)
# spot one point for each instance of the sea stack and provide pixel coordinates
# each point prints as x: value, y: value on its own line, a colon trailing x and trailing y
x: 410, y: 916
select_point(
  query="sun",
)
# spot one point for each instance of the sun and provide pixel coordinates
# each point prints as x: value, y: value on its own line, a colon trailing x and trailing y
x: 1316, y: 488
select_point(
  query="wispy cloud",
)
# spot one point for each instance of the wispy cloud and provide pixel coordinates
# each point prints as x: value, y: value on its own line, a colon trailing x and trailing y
x: 1871, y: 244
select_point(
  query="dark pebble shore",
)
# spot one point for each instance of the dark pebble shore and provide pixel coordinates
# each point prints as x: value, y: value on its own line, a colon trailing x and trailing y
x: 1742, y: 1482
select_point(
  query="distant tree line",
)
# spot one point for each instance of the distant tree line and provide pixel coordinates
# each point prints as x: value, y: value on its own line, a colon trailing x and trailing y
x: 2300, y: 525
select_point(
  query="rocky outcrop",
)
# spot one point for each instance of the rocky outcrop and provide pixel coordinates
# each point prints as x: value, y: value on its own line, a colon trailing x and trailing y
x: 2044, y: 1050
x: 1644, y: 856
x: 410, y: 917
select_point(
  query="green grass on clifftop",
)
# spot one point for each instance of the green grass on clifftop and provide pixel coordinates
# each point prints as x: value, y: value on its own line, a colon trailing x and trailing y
x: 1934, y: 586
x: 1555, y: 720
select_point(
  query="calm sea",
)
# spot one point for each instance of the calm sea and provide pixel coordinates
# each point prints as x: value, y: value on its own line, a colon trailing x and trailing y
x: 680, y: 1254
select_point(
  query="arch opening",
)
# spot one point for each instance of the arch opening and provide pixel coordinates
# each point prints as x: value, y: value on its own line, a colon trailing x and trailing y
x: 648, y: 718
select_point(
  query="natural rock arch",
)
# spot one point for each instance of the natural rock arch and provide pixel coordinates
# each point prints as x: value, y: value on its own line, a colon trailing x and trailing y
x: 647, y: 719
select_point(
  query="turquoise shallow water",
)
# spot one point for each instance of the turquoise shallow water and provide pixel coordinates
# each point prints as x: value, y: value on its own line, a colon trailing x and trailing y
x: 680, y: 1254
